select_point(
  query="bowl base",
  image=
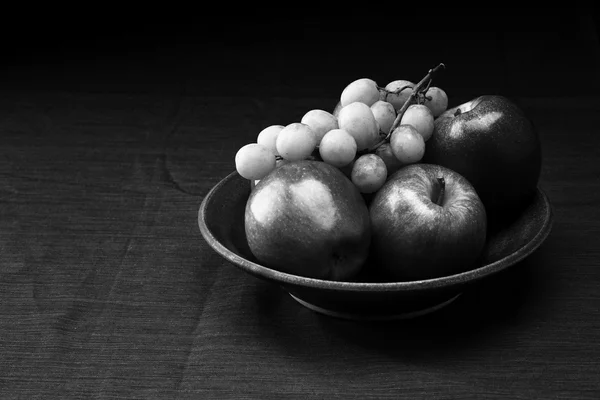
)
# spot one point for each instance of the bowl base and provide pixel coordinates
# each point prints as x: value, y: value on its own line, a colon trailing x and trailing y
x: 371, y: 317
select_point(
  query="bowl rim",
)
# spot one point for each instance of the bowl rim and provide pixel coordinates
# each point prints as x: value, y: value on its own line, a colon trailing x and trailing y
x: 426, y: 284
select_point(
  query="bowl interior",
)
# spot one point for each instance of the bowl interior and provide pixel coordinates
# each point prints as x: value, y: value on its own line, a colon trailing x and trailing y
x: 221, y: 222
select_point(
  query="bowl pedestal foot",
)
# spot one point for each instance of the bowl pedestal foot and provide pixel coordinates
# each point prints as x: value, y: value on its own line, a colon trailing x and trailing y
x: 367, y: 317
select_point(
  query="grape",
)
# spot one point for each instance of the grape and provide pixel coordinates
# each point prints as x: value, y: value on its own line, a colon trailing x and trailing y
x: 358, y: 120
x: 278, y: 163
x: 320, y: 122
x: 369, y: 173
x: 407, y: 144
x: 268, y: 136
x: 384, y: 114
x: 391, y: 162
x: 439, y: 101
x: 363, y: 90
x: 296, y: 141
x: 337, y: 148
x: 254, y: 161
x: 336, y: 110
x: 419, y: 116
x: 398, y: 100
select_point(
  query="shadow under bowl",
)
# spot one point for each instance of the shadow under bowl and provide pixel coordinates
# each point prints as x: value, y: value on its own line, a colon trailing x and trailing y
x: 221, y: 222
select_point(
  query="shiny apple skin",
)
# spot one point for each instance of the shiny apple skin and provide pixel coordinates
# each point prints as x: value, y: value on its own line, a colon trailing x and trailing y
x: 502, y: 160
x: 317, y: 230
x: 413, y: 238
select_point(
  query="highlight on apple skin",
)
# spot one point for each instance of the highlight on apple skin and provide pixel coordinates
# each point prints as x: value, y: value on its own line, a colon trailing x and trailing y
x: 427, y: 221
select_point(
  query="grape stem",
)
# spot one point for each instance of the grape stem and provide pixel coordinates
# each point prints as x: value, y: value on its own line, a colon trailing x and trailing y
x: 397, y: 91
x: 422, y: 86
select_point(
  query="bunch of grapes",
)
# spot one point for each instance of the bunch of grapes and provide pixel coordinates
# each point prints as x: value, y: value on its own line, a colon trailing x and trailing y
x: 372, y: 133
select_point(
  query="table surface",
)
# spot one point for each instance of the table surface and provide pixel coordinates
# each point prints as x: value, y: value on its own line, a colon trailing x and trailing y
x: 108, y: 290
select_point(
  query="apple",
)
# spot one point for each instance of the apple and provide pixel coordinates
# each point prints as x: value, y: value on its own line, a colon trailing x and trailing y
x: 491, y: 142
x: 278, y: 163
x: 427, y: 221
x: 307, y: 218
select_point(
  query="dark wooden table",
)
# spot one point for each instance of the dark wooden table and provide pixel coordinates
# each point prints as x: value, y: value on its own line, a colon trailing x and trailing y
x: 107, y: 289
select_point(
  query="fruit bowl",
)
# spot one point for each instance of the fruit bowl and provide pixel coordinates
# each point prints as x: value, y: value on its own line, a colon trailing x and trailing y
x: 221, y: 222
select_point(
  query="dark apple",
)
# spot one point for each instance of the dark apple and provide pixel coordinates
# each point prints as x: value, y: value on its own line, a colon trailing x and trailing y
x: 306, y: 218
x: 427, y: 221
x: 491, y: 142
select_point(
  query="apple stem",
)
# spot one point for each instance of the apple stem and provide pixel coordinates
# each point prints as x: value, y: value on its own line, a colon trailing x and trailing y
x: 440, y: 197
x: 419, y: 87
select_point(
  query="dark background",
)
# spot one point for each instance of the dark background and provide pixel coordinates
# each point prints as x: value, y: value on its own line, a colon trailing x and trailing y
x: 546, y: 51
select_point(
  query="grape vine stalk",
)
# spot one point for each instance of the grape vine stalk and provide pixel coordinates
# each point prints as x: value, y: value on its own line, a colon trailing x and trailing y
x: 416, y: 97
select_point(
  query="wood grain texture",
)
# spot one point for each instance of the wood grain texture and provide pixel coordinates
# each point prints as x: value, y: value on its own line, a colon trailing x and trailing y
x: 107, y: 289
